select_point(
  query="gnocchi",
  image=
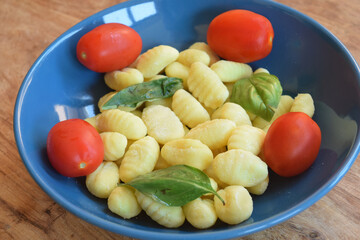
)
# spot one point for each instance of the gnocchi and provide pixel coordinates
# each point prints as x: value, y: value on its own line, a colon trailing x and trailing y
x: 126, y: 123
x: 248, y: 138
x: 233, y: 112
x: 260, y: 188
x: 240, y: 167
x: 191, y: 152
x: 114, y: 145
x: 122, y: 201
x: 204, y: 47
x: 238, y: 204
x: 229, y: 71
x: 140, y: 158
x: 170, y: 217
x: 303, y: 102
x: 162, y: 123
x: 118, y: 80
x: 188, y: 109
x: 214, y: 133
x: 206, y: 86
x: 154, y: 60
x: 103, y: 180
x: 190, y: 56
x: 92, y: 121
x: 200, y: 213
x: 178, y: 70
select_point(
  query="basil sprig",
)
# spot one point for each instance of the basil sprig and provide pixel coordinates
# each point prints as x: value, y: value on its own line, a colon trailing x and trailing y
x: 136, y: 94
x: 175, y: 185
x: 259, y: 94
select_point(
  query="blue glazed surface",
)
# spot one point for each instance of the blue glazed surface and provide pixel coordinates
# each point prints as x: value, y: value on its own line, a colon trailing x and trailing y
x: 305, y: 57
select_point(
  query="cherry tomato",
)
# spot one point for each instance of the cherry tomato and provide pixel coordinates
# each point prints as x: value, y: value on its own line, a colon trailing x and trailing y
x: 240, y: 36
x: 74, y: 148
x: 292, y: 144
x: 109, y: 47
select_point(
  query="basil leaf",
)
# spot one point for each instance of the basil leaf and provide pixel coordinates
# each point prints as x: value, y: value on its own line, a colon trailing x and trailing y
x: 175, y: 185
x: 136, y: 94
x: 259, y: 94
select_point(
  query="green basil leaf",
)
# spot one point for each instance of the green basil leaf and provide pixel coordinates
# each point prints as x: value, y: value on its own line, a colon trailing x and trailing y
x: 259, y: 94
x: 175, y: 185
x: 136, y: 94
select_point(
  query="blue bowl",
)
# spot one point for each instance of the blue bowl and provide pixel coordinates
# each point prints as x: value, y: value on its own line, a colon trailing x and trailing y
x: 305, y: 56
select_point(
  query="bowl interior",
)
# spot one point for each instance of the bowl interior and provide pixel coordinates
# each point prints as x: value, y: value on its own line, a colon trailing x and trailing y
x: 305, y: 57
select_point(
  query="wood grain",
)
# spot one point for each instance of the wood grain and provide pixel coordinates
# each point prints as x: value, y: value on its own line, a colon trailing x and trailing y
x: 26, y: 212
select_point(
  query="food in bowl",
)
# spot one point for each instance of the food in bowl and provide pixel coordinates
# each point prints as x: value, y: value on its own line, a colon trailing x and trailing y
x: 175, y: 106
x: 222, y: 141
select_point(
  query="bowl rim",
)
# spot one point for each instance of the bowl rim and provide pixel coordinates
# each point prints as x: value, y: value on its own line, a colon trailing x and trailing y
x: 148, y: 234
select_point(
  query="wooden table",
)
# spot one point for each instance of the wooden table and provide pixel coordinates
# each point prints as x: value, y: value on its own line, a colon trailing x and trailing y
x: 26, y: 212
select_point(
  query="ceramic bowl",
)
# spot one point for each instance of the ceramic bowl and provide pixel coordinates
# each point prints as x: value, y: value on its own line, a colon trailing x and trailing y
x: 305, y: 56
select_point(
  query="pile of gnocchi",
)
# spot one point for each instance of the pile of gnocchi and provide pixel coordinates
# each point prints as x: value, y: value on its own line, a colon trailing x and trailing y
x: 197, y: 126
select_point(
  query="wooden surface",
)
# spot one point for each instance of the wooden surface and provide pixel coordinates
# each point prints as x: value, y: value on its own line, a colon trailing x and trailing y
x: 26, y: 212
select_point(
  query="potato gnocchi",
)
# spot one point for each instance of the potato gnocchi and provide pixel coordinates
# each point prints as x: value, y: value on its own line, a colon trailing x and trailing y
x: 240, y: 167
x: 162, y: 123
x: 179, y: 70
x: 204, y: 47
x: 303, y: 102
x: 156, y: 59
x: 190, y: 56
x: 247, y: 138
x: 200, y: 213
x: 233, y: 112
x: 239, y: 204
x: 206, y: 86
x: 197, y: 126
x: 122, y: 201
x: 214, y: 133
x: 103, y: 180
x: 114, y: 145
x: 140, y: 158
x: 118, y: 80
x: 229, y: 71
x: 190, y: 152
x: 170, y: 217
x: 188, y: 109
x: 126, y: 123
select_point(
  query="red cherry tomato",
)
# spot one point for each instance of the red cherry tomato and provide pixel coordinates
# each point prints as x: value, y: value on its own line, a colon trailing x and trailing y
x: 74, y: 148
x: 109, y: 47
x: 240, y: 36
x: 292, y: 144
